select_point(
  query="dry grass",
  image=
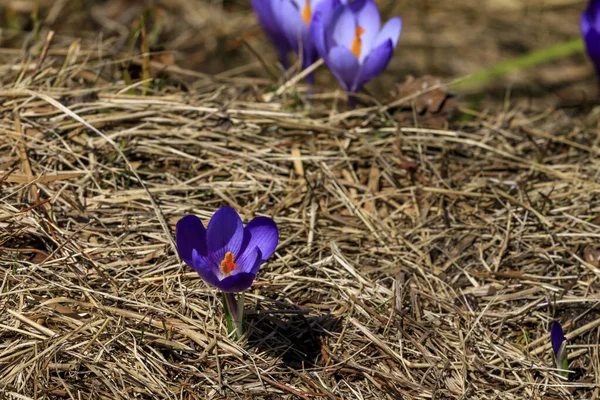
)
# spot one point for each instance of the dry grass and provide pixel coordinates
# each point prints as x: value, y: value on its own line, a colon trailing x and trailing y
x: 413, y: 263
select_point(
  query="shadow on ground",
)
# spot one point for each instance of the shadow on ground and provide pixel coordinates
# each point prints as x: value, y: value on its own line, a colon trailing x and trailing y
x: 290, y: 335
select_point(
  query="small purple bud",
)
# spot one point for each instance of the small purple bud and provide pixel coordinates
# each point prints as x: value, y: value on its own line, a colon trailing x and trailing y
x: 559, y: 348
x: 557, y: 337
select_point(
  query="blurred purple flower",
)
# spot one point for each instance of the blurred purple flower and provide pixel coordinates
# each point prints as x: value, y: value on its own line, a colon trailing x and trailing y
x: 264, y: 10
x: 296, y: 18
x: 351, y: 41
x: 226, y: 255
x: 590, y: 30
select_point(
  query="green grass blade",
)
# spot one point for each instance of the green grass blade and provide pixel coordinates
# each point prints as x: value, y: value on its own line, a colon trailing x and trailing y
x: 529, y: 60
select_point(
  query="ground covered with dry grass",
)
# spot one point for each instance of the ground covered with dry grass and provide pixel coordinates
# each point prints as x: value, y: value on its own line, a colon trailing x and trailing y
x: 423, y: 253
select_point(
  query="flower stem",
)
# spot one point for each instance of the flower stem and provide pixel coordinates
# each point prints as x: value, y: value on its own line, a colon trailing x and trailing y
x: 351, y: 101
x: 234, y: 312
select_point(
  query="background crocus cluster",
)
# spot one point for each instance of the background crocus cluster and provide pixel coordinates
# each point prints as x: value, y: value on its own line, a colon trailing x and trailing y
x: 347, y: 35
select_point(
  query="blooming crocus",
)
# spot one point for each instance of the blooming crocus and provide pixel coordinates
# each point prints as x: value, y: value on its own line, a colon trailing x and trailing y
x: 296, y: 18
x: 272, y: 26
x: 559, y: 348
x: 226, y: 255
x: 590, y: 30
x: 351, y: 41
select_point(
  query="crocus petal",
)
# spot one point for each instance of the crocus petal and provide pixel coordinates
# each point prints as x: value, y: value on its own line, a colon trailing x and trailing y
x: 562, y: 361
x: 367, y: 16
x: 249, y: 261
x: 309, y: 53
x: 314, y: 4
x: 374, y: 64
x: 225, y: 233
x: 591, y: 38
x: 343, y: 30
x: 262, y: 233
x: 271, y: 26
x: 391, y: 30
x: 334, y: 15
x: 190, y: 234
x: 322, y: 17
x: 557, y: 337
x: 203, y: 268
x: 592, y: 13
x: 292, y: 23
x: 590, y: 29
x: 343, y: 65
x: 236, y: 283
x: 592, y: 41
x: 586, y: 24
x: 326, y: 7
x: 266, y: 18
x: 317, y: 33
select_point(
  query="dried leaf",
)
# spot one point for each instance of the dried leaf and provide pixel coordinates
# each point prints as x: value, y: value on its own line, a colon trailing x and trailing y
x: 425, y: 99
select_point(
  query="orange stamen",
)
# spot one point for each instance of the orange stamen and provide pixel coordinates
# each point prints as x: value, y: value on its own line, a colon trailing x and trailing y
x: 307, y: 12
x: 357, y: 42
x: 228, y: 264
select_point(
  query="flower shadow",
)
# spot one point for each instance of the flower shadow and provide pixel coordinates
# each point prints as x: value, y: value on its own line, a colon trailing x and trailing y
x: 290, y: 335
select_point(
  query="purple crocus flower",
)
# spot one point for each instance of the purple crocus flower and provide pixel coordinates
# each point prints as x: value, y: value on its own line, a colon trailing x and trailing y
x: 226, y: 255
x: 351, y: 41
x: 590, y: 30
x: 264, y: 10
x: 296, y: 18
